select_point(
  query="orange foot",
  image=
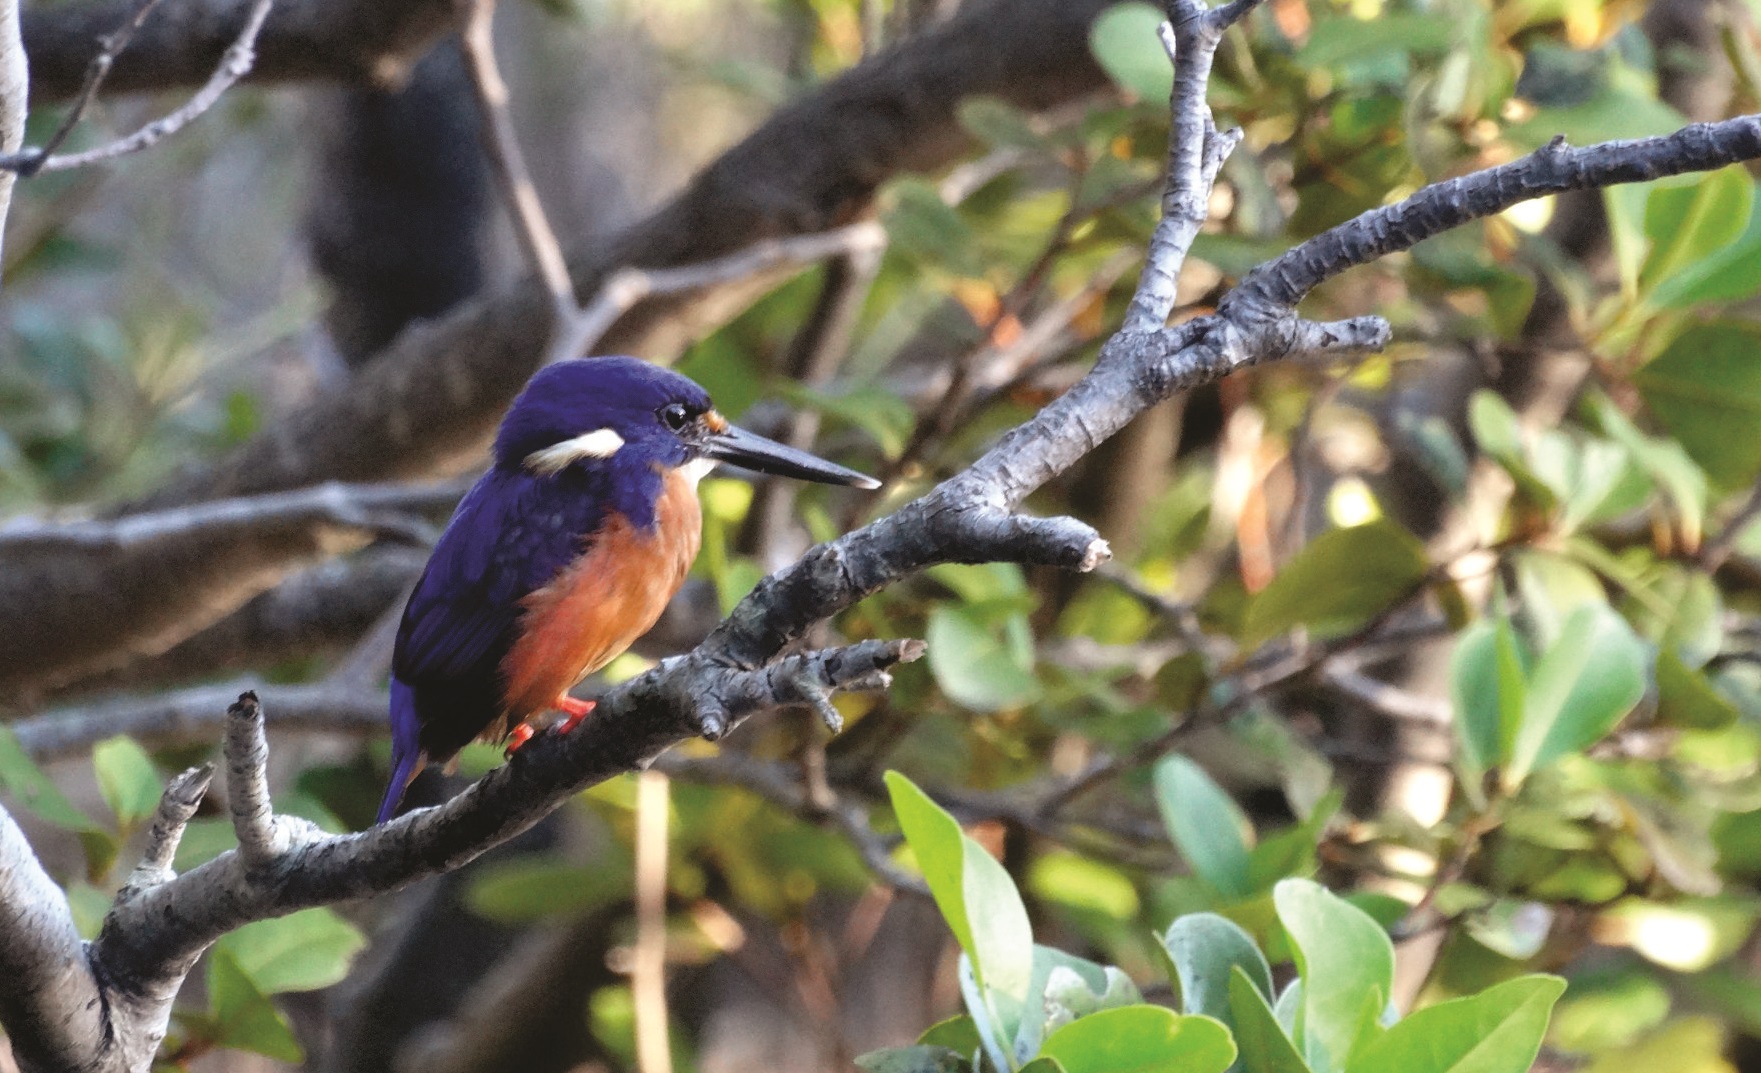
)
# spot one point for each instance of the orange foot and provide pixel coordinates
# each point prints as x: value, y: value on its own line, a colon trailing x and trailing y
x: 517, y: 737
x: 576, y: 710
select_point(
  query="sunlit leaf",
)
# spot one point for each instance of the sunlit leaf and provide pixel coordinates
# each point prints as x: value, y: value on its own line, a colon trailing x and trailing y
x: 127, y: 779
x: 1347, y: 967
x: 976, y: 896
x: 1141, y: 1039
x: 1498, y: 1030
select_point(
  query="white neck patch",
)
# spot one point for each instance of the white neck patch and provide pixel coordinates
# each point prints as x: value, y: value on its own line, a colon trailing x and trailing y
x: 600, y: 443
x: 696, y: 469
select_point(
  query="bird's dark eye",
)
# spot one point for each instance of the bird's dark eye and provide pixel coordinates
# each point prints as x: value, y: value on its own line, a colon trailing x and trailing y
x: 676, y: 416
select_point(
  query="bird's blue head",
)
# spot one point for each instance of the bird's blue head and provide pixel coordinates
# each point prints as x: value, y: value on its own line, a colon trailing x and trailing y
x: 623, y: 411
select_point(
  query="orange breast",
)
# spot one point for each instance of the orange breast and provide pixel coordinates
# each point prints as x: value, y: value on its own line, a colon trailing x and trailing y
x: 596, y: 608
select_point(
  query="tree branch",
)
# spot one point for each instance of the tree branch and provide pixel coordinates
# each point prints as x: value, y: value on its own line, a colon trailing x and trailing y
x: 303, y: 40
x: 14, y: 95
x: 161, y: 576
x: 198, y: 714
x: 50, y: 1003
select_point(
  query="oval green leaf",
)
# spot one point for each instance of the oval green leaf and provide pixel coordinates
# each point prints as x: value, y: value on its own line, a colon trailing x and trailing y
x: 1346, y: 963
x: 1581, y: 687
x: 1141, y: 1039
x: 1498, y: 1030
x: 1209, y: 829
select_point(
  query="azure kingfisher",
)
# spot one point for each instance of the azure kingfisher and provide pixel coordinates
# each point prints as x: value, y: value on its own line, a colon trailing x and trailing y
x: 563, y: 553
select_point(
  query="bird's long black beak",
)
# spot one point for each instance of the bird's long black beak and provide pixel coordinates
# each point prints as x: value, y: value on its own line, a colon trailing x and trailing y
x: 749, y: 449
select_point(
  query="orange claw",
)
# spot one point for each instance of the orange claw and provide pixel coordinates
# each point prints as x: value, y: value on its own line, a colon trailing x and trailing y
x: 576, y: 710
x: 517, y: 737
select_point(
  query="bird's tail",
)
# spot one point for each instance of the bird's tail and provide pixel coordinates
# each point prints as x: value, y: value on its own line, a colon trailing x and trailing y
x: 406, y: 751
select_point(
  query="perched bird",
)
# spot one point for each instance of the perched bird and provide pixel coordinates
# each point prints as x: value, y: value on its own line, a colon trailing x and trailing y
x: 563, y: 553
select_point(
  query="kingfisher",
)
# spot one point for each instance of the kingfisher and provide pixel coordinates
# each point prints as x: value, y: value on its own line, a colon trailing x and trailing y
x: 562, y: 554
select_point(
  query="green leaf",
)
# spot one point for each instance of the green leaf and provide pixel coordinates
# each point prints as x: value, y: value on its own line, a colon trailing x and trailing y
x: 1265, y: 1048
x: 1609, y: 1009
x: 300, y: 952
x: 1687, y: 223
x: 1208, y: 952
x: 24, y: 780
x: 1346, y: 963
x: 1125, y: 42
x: 921, y: 224
x: 89, y: 906
x: 1706, y: 389
x: 1686, y: 699
x: 127, y: 779
x: 1141, y: 1039
x: 1680, y: 611
x: 1621, y: 111
x: 1338, y: 582
x: 976, y: 896
x: 1581, y: 687
x: 1552, y: 586
x: 1344, y: 38
x: 1729, y: 274
x: 1498, y: 1030
x: 1498, y: 434
x: 998, y: 123
x: 918, y: 1059
x: 1473, y: 687
x: 243, y: 1015
x: 1044, y: 1065
x: 957, y: 1034
x: 1209, y: 829
x: 979, y: 662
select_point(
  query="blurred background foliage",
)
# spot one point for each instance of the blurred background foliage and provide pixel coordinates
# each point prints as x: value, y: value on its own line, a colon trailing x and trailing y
x: 1466, y: 629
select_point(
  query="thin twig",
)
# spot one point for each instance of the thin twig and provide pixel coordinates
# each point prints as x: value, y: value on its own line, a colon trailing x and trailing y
x: 537, y: 240
x: 234, y: 65
x: 110, y: 47
x: 627, y: 286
